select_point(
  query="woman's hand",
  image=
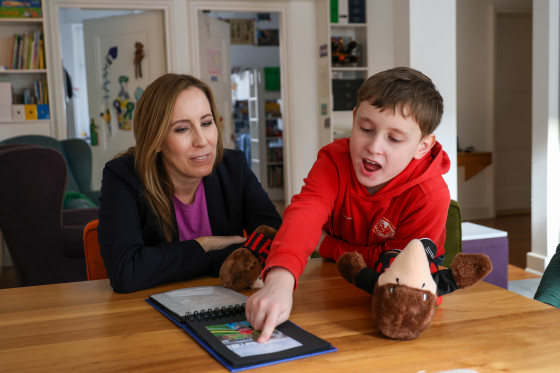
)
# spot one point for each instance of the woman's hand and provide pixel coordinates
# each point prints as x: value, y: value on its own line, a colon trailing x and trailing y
x: 210, y: 243
x: 271, y: 305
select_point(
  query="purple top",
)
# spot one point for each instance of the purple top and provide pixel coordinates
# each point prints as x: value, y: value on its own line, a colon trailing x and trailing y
x: 192, y: 220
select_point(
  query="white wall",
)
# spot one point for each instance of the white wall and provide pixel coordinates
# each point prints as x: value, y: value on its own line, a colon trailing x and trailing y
x: 475, y: 90
x: 433, y: 51
x: 545, y: 178
x: 421, y: 35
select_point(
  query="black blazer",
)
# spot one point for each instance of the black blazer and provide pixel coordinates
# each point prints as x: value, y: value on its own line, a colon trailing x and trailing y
x: 133, y: 248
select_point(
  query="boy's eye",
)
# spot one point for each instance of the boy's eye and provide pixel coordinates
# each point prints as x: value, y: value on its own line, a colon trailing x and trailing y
x: 395, y: 140
x: 366, y: 130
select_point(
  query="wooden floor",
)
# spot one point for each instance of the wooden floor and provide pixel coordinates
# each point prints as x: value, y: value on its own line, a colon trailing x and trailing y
x: 517, y: 226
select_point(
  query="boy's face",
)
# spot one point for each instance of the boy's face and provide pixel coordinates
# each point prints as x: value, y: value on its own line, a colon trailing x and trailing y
x: 382, y: 144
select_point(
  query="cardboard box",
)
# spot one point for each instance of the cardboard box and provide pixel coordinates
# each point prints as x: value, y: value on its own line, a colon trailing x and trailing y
x: 30, y: 112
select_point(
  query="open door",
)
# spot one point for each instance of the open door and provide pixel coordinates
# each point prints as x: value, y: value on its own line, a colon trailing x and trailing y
x: 215, y: 69
x: 124, y: 54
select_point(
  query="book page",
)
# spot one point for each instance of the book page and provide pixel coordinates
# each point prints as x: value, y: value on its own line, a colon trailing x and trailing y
x: 197, y: 299
x: 241, y: 338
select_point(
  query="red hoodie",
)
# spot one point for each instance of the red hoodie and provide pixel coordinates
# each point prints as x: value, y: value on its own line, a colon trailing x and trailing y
x: 413, y: 204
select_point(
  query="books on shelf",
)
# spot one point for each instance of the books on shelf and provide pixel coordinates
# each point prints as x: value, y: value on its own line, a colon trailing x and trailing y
x: 215, y: 317
x: 28, y: 51
x: 347, y: 11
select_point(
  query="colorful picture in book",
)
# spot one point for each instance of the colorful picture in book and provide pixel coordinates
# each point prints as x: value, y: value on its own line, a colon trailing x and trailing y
x: 241, y: 338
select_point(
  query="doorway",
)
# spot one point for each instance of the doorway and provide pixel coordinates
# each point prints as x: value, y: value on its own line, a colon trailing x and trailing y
x: 512, y: 120
x: 255, y: 124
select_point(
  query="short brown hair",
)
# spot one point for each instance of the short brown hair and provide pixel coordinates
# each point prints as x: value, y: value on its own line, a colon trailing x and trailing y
x: 406, y: 90
x: 151, y: 122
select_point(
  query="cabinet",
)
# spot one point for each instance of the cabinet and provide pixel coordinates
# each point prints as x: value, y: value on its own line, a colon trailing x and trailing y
x: 347, y: 60
x: 30, y: 80
x: 259, y: 129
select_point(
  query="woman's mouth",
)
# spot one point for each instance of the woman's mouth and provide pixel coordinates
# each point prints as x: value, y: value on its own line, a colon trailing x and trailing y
x: 370, y: 166
x: 200, y: 157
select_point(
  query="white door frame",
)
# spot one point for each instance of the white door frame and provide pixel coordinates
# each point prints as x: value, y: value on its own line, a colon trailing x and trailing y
x: 282, y: 8
x: 53, y: 49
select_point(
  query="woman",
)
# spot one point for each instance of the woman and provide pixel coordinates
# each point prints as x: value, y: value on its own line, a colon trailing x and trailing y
x: 175, y: 205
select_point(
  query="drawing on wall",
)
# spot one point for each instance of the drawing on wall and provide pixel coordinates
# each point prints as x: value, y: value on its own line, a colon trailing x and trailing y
x: 267, y: 37
x: 242, y: 31
x: 105, y: 113
x: 124, y: 105
x: 213, y: 60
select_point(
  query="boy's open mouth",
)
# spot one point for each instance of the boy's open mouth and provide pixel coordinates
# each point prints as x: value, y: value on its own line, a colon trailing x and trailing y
x: 370, y: 165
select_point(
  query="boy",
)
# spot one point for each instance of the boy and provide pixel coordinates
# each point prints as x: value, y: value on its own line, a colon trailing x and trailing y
x: 372, y: 193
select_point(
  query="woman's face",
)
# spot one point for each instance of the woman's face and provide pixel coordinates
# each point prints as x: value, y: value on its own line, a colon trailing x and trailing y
x: 189, y: 148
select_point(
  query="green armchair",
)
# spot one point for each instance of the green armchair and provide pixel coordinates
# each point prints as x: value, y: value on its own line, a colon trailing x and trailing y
x: 453, y: 236
x: 78, y: 157
x: 549, y: 288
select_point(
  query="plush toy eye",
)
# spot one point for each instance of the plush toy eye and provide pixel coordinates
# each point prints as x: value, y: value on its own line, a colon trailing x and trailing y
x: 397, y: 280
x: 424, y: 284
x: 425, y: 297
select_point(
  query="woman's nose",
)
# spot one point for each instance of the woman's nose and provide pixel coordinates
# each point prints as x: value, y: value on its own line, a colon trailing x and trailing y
x: 199, y: 137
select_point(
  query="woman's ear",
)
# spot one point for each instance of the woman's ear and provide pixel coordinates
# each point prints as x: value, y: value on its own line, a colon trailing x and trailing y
x: 425, y: 146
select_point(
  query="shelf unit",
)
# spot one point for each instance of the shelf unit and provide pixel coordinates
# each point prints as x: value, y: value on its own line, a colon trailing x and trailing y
x: 265, y: 130
x: 347, y: 70
x: 21, y: 79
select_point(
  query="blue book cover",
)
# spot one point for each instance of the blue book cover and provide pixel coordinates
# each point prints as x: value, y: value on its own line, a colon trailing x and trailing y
x: 226, y: 334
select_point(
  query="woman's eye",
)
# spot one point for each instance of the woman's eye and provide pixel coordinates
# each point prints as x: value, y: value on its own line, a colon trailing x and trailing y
x: 206, y: 124
x: 181, y: 129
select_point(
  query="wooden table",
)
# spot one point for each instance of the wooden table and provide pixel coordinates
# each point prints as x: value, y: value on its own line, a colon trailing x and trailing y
x: 84, y: 326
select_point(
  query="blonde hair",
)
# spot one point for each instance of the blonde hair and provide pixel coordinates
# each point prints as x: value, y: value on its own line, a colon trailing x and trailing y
x: 152, y: 118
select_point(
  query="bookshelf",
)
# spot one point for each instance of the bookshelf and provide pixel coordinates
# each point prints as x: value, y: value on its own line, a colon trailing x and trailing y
x: 259, y: 116
x: 24, y: 88
x: 348, y: 64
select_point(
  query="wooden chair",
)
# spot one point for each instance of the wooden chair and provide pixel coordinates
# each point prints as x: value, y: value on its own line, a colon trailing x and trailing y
x: 94, y: 262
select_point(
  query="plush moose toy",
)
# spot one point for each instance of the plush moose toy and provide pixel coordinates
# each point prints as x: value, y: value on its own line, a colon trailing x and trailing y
x: 243, y: 267
x: 405, y: 294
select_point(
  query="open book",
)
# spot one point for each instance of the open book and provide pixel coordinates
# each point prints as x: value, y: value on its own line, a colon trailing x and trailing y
x: 215, y: 317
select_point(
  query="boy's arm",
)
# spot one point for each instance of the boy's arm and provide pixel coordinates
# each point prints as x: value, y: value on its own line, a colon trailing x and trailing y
x: 304, y: 217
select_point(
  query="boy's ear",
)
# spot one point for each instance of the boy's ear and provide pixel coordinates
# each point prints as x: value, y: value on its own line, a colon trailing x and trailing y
x: 425, y: 146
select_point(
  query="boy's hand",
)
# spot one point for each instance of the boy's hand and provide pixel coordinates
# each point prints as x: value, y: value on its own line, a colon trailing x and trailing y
x: 271, y: 305
x: 210, y: 243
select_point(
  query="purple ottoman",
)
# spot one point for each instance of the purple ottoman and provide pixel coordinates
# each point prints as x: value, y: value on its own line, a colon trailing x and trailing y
x: 478, y: 239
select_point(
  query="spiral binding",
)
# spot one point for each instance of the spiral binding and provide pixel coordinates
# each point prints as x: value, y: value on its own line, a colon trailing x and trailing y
x: 215, y: 313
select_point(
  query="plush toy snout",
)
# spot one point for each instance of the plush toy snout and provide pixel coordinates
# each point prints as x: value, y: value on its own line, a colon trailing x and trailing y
x: 401, y: 312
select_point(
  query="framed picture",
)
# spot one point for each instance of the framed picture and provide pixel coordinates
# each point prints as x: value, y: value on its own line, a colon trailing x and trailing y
x: 267, y: 37
x: 242, y: 31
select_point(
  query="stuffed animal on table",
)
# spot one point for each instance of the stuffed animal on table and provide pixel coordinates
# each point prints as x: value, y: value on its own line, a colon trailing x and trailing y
x: 405, y: 294
x: 242, y: 268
